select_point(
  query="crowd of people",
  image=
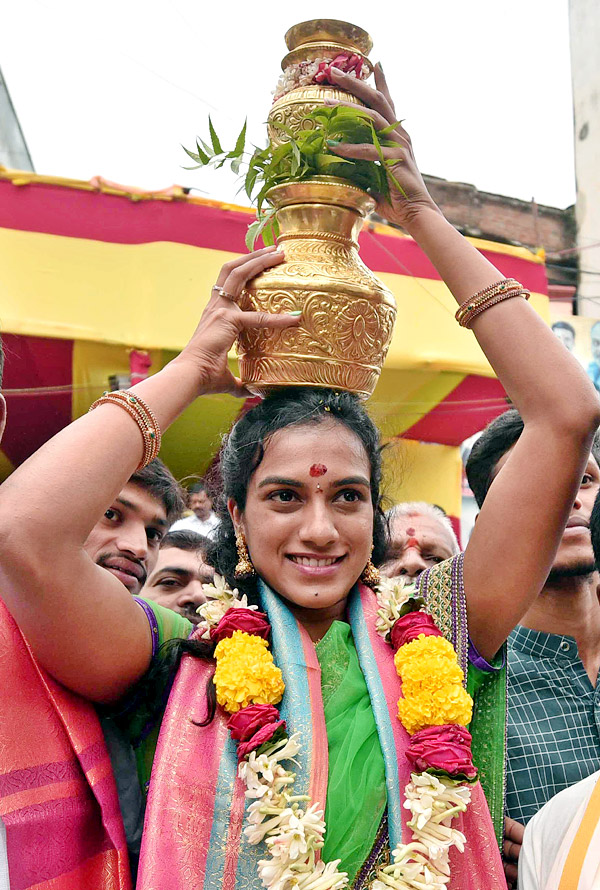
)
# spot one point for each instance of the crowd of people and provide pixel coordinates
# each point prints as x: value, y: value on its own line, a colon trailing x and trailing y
x: 116, y: 764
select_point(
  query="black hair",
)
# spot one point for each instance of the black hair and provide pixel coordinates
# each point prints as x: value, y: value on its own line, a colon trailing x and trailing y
x: 185, y: 539
x: 563, y: 326
x: 496, y: 439
x: 244, y: 448
x: 159, y: 481
x: 595, y: 530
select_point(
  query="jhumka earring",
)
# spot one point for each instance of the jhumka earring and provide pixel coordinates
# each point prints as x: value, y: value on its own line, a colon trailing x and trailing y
x: 244, y: 568
x: 370, y: 576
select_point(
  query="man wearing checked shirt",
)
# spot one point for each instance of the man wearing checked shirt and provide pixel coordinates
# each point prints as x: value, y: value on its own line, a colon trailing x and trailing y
x: 553, y: 655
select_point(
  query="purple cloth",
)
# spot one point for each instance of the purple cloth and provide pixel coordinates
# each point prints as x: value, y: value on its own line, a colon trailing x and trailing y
x: 479, y: 661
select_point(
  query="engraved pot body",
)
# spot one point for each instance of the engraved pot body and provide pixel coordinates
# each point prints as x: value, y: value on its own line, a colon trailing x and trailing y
x: 347, y: 313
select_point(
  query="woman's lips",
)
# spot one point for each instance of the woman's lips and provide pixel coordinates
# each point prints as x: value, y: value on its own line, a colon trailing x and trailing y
x: 316, y: 565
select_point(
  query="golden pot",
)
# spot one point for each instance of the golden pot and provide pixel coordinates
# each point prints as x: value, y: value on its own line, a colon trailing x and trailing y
x: 315, y: 39
x: 347, y: 313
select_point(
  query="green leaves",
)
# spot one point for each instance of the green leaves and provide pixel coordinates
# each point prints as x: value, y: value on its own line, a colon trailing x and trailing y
x: 305, y: 154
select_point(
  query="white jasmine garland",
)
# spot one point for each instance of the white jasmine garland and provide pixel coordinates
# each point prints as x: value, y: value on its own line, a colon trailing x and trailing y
x: 293, y: 829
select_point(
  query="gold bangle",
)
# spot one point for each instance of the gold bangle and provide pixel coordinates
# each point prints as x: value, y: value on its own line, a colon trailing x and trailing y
x: 481, y: 298
x: 143, y: 416
x: 470, y: 317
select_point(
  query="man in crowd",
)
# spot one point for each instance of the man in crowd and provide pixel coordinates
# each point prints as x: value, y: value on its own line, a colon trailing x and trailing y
x: 565, y: 333
x: 203, y: 520
x: 421, y: 535
x: 563, y: 838
x: 126, y: 539
x: 178, y: 576
x: 594, y: 366
x: 554, y: 655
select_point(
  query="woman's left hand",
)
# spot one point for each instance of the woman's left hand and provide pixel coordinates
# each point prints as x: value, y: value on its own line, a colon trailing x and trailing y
x: 403, y: 205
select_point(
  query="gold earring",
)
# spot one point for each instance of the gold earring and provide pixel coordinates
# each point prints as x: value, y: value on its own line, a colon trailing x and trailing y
x: 370, y: 576
x: 244, y: 567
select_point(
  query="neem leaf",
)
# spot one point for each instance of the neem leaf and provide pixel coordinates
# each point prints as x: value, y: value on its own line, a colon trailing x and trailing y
x: 200, y: 158
x: 214, y: 138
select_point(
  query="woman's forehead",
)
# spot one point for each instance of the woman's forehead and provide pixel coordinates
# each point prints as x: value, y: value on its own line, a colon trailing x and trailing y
x: 328, y: 444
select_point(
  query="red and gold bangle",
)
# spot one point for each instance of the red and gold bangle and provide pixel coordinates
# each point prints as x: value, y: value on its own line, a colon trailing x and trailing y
x: 493, y: 301
x: 144, y: 417
x: 482, y: 300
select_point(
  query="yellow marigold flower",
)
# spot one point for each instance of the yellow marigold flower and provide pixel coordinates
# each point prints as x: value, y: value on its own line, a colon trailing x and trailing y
x: 431, y: 685
x: 245, y: 673
x: 431, y: 647
x: 450, y: 705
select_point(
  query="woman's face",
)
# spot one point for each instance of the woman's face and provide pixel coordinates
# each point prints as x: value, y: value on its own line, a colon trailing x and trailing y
x: 308, y: 519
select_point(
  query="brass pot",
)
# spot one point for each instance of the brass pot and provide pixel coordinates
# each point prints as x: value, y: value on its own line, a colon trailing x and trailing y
x: 347, y: 313
x: 315, y: 39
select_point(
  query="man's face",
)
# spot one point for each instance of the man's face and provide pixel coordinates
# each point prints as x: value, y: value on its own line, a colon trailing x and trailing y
x: 177, y: 579
x: 565, y: 335
x: 201, y: 505
x: 575, y: 555
x: 125, y: 541
x: 416, y: 543
x: 596, y: 344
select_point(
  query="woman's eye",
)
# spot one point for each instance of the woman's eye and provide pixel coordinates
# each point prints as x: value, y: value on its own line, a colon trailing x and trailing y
x: 284, y: 496
x: 349, y: 496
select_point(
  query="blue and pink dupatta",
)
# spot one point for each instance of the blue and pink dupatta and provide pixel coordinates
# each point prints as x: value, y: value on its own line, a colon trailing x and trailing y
x: 193, y: 833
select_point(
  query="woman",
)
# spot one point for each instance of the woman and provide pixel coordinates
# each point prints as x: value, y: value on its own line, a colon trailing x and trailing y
x: 302, y: 487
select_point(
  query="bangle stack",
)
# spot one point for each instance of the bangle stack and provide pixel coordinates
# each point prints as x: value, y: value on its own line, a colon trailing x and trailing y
x: 139, y: 411
x: 489, y: 296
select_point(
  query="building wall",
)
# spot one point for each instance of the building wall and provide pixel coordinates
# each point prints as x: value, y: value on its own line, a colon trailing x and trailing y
x: 585, y: 64
x: 500, y: 218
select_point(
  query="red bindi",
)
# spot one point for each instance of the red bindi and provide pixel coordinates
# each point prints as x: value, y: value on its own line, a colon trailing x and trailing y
x: 411, y: 532
x: 318, y: 470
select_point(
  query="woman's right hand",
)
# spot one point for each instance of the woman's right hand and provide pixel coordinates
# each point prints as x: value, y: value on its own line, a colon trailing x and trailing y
x: 223, y: 320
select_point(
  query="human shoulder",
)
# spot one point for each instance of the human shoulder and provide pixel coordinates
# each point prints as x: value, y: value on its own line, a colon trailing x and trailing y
x: 546, y: 832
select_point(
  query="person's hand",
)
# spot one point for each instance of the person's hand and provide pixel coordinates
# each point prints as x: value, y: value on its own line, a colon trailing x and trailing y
x: 403, y: 205
x: 222, y: 321
x: 513, y: 838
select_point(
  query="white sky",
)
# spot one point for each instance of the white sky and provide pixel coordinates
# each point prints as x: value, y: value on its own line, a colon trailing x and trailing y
x: 113, y: 88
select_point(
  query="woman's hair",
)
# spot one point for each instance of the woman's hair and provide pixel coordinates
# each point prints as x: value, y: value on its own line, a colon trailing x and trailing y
x: 244, y: 448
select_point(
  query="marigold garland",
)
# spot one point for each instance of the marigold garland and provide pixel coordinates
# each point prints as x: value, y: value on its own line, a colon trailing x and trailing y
x: 433, y: 699
x: 434, y: 703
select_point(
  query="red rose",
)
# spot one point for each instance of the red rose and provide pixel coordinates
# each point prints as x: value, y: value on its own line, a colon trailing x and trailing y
x: 248, y: 620
x: 259, y: 738
x: 446, y: 748
x: 410, y: 626
x: 245, y: 722
x: 346, y: 62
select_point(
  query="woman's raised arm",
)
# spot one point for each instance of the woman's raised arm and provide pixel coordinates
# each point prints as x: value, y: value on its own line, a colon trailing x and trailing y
x: 81, y: 622
x: 521, y: 523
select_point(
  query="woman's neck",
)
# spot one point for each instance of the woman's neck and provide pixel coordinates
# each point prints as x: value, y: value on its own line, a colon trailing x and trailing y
x: 318, y: 621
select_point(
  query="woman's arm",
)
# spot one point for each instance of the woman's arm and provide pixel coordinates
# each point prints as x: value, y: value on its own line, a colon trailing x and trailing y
x: 81, y: 622
x: 521, y: 523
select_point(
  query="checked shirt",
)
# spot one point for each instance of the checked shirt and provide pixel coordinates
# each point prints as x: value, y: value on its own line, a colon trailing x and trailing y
x: 553, y: 720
